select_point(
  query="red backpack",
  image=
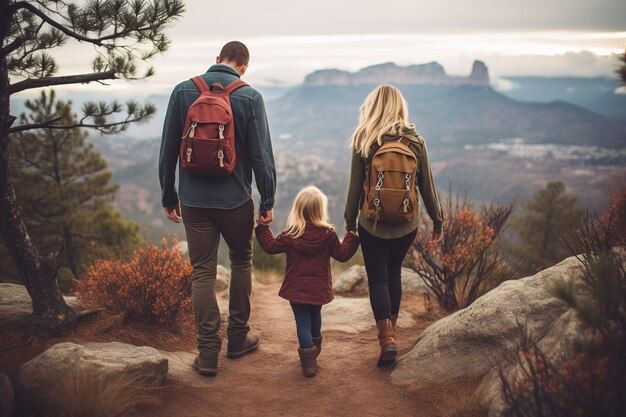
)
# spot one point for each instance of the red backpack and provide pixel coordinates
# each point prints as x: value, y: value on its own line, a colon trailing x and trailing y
x: 207, y: 148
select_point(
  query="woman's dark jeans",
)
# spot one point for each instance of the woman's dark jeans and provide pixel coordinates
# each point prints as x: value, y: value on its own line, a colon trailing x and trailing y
x: 308, y: 323
x: 383, y: 263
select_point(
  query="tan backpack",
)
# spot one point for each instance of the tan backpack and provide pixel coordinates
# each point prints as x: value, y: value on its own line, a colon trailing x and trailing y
x: 390, y: 194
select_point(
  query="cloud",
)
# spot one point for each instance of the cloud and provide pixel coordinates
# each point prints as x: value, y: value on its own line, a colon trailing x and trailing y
x: 305, y: 17
x: 502, y: 84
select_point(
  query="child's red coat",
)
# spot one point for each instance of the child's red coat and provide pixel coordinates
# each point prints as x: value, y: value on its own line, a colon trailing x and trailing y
x: 308, y: 279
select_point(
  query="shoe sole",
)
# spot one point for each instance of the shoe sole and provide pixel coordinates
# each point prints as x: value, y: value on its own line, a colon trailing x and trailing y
x: 388, y: 356
x: 205, y: 371
x: 236, y: 355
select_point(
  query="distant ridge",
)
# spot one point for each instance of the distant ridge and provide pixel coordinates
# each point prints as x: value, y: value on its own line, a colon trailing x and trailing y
x: 431, y: 73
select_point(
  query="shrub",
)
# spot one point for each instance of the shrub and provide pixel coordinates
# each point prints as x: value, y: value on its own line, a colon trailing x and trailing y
x: 154, y: 286
x: 592, y: 381
x: 470, y: 260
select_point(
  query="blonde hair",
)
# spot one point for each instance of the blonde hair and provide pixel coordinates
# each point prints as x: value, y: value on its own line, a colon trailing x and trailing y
x: 383, y: 111
x: 310, y: 206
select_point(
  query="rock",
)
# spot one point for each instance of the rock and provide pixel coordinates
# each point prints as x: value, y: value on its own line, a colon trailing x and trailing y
x: 6, y: 396
x: 107, y: 359
x: 411, y: 282
x: 181, y: 370
x: 354, y: 281
x: 222, y: 281
x: 480, y: 74
x: 16, y: 308
x: 354, y: 315
x: 430, y: 73
x: 481, y: 339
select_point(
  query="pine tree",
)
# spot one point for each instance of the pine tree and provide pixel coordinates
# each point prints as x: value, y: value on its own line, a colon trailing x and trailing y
x: 547, y: 219
x: 124, y: 34
x: 65, y: 189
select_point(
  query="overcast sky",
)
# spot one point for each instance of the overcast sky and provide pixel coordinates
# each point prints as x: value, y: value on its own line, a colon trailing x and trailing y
x: 290, y: 38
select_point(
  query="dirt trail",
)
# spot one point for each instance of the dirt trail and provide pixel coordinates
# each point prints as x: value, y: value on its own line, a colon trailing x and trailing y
x: 269, y: 382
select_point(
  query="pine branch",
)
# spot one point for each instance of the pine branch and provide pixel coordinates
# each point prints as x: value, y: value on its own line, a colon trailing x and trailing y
x: 31, y: 83
x: 53, y: 125
x: 16, y: 44
x: 25, y: 5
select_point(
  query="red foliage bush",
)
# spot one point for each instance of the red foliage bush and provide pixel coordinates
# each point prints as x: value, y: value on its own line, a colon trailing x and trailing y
x: 470, y: 258
x: 154, y: 286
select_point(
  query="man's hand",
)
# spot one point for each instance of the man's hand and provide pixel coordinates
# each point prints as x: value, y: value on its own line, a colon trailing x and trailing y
x: 266, y: 217
x: 173, y: 213
x: 436, y: 238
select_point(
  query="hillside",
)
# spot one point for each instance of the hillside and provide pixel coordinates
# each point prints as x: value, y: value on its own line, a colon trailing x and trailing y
x: 498, y: 147
x: 598, y: 94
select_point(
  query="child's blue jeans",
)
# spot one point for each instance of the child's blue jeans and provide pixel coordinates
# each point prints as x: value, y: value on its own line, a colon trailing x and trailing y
x: 308, y: 323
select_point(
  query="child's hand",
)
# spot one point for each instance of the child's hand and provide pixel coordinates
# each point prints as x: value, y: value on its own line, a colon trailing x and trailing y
x: 353, y: 232
x: 265, y: 218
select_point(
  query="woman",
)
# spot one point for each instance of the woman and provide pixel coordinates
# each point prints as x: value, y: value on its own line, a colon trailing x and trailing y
x: 384, y: 118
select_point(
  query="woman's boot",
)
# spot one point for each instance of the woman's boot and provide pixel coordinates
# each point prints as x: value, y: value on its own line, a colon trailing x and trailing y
x: 394, y: 320
x: 308, y: 360
x: 388, y: 348
x: 317, y: 341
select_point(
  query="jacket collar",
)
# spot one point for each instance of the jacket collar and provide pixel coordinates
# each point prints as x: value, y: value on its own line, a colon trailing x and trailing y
x: 223, y: 68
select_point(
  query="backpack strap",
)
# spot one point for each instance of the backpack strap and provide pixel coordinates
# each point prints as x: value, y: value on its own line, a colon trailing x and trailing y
x: 200, y: 83
x: 376, y: 146
x: 235, y: 85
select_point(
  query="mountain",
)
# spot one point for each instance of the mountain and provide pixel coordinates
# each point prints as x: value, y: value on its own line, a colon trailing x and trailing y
x: 598, y: 94
x: 432, y: 74
x: 447, y: 115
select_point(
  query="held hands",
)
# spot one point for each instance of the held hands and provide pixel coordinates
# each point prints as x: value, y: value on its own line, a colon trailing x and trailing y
x: 173, y: 213
x: 265, y: 217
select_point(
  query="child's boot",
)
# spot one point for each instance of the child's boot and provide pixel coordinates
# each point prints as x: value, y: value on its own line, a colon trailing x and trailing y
x: 388, y: 348
x: 308, y: 360
x: 317, y: 341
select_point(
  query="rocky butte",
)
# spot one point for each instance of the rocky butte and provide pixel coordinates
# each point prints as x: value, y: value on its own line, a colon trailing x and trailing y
x: 431, y: 73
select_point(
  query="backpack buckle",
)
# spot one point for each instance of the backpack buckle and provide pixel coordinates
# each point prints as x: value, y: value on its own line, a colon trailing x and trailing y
x: 379, y: 184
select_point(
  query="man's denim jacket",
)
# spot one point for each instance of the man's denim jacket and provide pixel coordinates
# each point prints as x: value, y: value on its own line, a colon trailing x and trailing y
x: 252, y: 144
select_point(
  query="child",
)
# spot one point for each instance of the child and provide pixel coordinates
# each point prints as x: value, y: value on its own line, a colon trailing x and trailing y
x: 309, y: 241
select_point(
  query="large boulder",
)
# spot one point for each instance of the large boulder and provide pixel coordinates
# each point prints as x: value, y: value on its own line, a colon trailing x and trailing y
x: 141, y: 363
x: 16, y: 306
x: 485, y: 337
x: 354, y: 281
x: 6, y: 396
x: 354, y: 315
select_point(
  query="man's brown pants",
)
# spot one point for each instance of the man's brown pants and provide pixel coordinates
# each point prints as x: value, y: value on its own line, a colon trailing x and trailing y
x: 203, y: 227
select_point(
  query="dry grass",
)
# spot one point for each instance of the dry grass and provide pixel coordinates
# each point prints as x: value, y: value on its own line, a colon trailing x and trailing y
x: 453, y: 398
x: 87, y: 393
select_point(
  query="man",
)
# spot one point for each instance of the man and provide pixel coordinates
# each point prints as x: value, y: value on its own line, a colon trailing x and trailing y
x: 214, y: 207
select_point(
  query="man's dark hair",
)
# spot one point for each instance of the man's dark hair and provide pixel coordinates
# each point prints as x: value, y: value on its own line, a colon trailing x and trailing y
x: 235, y: 52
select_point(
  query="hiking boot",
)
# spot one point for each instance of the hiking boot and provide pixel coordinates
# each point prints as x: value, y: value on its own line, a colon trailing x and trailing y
x: 308, y: 360
x: 388, y: 348
x: 242, y: 346
x: 206, y: 365
x: 317, y: 341
x: 394, y: 320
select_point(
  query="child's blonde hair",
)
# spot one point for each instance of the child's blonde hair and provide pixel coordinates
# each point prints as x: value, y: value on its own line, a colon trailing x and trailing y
x: 310, y: 206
